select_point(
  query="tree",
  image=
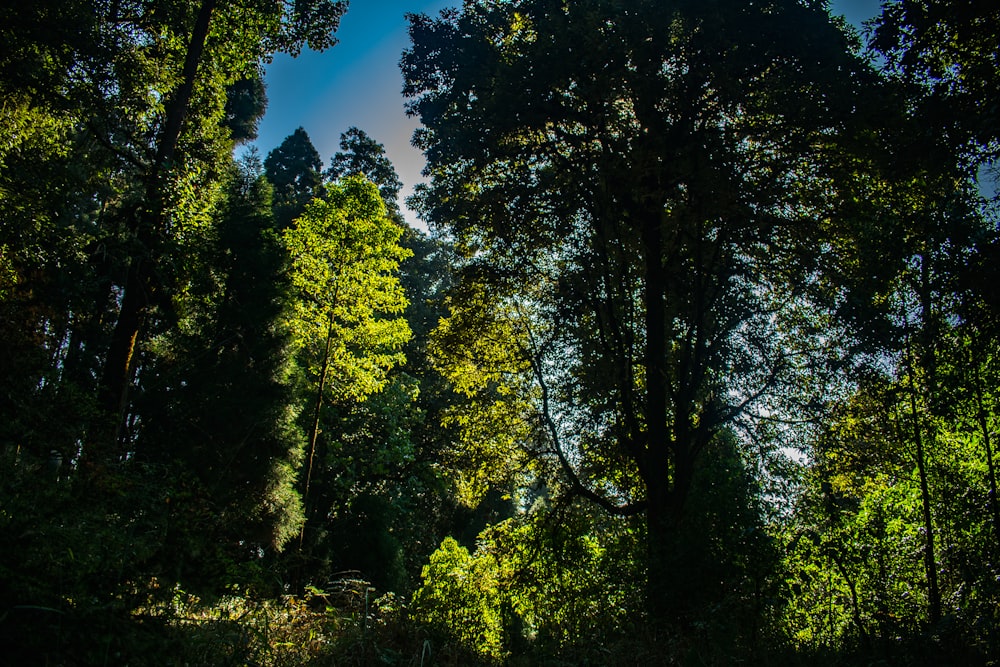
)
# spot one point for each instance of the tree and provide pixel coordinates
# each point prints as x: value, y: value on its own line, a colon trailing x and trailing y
x: 172, y: 149
x: 120, y: 110
x: 293, y: 168
x: 916, y: 207
x: 360, y: 154
x: 949, y: 50
x: 344, y: 258
x: 922, y: 191
x: 638, y: 191
x: 382, y: 491
x: 57, y: 188
x: 217, y: 396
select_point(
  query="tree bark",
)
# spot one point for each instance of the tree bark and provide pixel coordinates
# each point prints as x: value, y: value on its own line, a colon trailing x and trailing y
x: 930, y: 561
x: 149, y: 224
x: 668, y: 469
x: 655, y: 352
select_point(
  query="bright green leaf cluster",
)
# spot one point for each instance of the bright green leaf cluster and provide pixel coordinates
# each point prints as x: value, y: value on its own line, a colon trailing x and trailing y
x: 345, y: 257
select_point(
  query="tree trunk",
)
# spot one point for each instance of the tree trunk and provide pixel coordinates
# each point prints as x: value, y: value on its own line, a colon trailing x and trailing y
x: 929, y: 363
x: 930, y: 562
x: 668, y: 464
x: 988, y: 445
x: 655, y: 353
x: 314, y: 430
x: 661, y: 534
x: 671, y: 594
x: 149, y: 224
x: 115, y: 380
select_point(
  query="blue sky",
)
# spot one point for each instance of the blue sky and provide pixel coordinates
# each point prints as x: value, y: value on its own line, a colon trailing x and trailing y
x: 358, y: 83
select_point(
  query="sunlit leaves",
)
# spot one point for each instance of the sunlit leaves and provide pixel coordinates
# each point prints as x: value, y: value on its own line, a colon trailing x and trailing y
x: 345, y: 258
x: 560, y: 579
x: 461, y: 598
x: 479, y: 349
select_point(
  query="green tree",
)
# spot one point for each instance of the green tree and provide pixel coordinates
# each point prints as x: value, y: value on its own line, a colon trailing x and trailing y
x: 51, y: 316
x: 461, y: 599
x: 157, y: 98
x: 644, y: 212
x: 922, y: 207
x: 58, y: 190
x: 120, y: 111
x: 344, y: 263
x: 293, y: 168
x: 563, y: 581
x: 376, y: 488
x: 360, y: 154
x: 217, y: 396
x: 856, y: 550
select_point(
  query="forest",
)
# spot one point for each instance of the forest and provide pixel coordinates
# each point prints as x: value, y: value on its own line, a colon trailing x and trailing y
x: 698, y: 362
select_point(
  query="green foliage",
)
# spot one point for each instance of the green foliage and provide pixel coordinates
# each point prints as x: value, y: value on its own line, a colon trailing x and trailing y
x: 478, y: 349
x: 344, y: 262
x: 360, y: 154
x: 574, y: 584
x: 632, y: 220
x: 372, y: 490
x: 230, y: 417
x: 344, y: 258
x: 460, y: 600
x: 673, y: 242
x: 854, y: 550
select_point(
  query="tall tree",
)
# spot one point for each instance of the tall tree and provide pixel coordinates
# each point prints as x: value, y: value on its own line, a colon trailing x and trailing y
x: 920, y: 209
x: 361, y: 154
x: 293, y: 168
x: 216, y: 396
x: 199, y: 49
x: 637, y: 189
x: 59, y: 189
x: 344, y: 262
x: 381, y: 479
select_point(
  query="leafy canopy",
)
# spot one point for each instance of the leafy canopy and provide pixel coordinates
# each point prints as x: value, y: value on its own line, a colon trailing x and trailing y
x: 345, y: 258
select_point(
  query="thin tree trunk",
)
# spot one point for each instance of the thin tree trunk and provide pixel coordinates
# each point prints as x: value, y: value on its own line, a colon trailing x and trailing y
x: 314, y: 428
x: 930, y: 563
x: 929, y: 362
x: 115, y: 380
x: 318, y: 406
x: 181, y: 101
x: 853, y: 590
x: 988, y: 445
